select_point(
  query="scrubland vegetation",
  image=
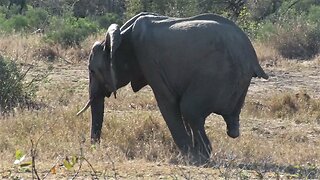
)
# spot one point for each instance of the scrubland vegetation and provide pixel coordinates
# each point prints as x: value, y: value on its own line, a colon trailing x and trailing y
x: 43, y: 83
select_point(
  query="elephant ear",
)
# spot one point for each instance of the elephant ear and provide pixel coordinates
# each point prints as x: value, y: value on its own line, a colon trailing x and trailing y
x: 113, y: 41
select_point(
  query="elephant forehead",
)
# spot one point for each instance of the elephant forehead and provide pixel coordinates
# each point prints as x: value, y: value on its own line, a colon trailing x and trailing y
x: 97, y: 46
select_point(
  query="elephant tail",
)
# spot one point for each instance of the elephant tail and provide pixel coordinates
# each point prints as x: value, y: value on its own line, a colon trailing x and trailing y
x: 259, y: 73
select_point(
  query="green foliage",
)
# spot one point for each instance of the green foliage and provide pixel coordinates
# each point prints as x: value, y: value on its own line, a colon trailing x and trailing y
x: 32, y: 20
x: 70, y: 31
x: 133, y: 7
x: 16, y: 23
x: 314, y: 14
x: 293, y: 30
x: 245, y: 22
x: 106, y: 20
x: 69, y: 163
x: 12, y: 91
x: 266, y: 31
x: 19, y: 154
x: 20, y: 162
x: 37, y: 18
x: 178, y: 8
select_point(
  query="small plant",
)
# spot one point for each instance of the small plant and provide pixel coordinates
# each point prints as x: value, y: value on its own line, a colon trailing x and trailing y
x: 21, y: 163
x: 13, y: 93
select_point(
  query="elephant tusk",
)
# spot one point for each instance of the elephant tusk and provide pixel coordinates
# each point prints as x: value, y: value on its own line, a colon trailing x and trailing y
x: 84, y: 108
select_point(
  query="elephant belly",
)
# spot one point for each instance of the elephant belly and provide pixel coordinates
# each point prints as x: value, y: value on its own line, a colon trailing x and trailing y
x: 216, y: 94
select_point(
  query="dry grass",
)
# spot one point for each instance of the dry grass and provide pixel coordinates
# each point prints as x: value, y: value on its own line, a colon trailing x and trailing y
x: 31, y: 48
x: 279, y: 130
x: 266, y: 53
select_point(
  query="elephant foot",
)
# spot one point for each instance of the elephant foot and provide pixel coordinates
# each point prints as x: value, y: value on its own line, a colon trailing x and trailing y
x: 198, y: 159
x: 95, y: 141
x: 233, y: 126
x: 199, y: 156
x: 233, y: 131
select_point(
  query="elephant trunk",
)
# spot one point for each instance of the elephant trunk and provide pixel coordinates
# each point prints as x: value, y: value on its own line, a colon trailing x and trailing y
x: 97, y: 107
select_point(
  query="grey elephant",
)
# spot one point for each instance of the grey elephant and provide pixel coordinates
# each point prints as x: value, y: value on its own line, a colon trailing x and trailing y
x: 195, y: 66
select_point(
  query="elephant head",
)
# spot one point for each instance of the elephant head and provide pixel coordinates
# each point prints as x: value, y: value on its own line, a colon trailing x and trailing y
x: 112, y: 64
x: 102, y: 77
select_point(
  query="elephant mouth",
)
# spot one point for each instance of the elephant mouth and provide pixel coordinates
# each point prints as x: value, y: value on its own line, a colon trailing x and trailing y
x: 108, y: 93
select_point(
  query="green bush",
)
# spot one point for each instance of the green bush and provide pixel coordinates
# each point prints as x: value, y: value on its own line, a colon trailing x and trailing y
x: 295, y: 33
x: 32, y: 20
x: 266, y: 31
x: 16, y: 23
x: 314, y: 14
x: 70, y: 31
x: 12, y: 91
x: 37, y: 18
x: 108, y: 19
x: 298, y: 41
x: 245, y: 21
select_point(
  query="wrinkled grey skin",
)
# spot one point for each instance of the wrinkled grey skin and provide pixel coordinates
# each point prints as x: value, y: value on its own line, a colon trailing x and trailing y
x: 195, y: 66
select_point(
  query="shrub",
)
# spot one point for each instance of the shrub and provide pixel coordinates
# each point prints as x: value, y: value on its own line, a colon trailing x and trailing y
x: 16, y: 23
x: 297, y: 41
x: 34, y: 19
x: 245, y: 21
x: 37, y: 18
x: 108, y: 19
x: 314, y: 14
x: 266, y: 31
x: 12, y: 91
x: 295, y: 35
x: 70, y: 31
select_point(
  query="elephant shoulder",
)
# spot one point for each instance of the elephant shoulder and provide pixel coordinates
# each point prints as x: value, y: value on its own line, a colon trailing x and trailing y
x: 144, y: 24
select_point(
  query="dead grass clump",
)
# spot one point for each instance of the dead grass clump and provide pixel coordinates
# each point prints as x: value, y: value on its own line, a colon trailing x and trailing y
x: 267, y: 54
x: 76, y: 55
x: 46, y: 52
x: 288, y: 105
x: 283, y: 106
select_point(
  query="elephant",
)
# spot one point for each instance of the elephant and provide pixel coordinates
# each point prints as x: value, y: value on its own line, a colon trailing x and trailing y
x: 21, y: 3
x: 195, y: 66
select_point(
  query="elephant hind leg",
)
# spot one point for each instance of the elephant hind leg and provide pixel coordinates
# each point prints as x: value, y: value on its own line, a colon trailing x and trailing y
x: 232, y: 125
x: 171, y: 113
x: 201, y: 146
x: 232, y: 120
